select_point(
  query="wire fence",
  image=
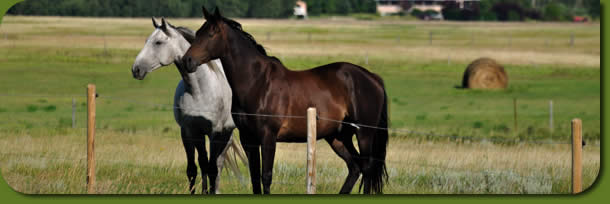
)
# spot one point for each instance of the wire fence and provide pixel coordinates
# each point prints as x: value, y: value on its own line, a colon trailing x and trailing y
x: 320, y: 117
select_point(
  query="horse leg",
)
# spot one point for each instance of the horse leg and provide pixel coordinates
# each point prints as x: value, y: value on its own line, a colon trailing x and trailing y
x: 203, y: 161
x: 191, y: 167
x: 365, y: 141
x: 252, y: 152
x: 268, y: 155
x: 218, y: 146
x: 347, y: 152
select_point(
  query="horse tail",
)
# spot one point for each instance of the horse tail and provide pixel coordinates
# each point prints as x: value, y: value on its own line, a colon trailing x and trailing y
x: 233, y: 151
x: 379, y: 174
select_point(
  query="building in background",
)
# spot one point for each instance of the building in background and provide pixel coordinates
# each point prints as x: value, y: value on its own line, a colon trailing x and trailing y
x: 300, y: 9
x: 391, y: 7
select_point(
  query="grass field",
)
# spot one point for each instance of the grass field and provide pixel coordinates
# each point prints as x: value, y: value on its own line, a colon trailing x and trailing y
x: 464, y: 141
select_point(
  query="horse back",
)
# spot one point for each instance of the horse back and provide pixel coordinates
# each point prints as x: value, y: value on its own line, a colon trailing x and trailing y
x: 335, y: 90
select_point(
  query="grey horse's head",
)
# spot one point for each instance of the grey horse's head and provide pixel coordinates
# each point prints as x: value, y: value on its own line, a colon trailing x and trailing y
x: 163, y: 47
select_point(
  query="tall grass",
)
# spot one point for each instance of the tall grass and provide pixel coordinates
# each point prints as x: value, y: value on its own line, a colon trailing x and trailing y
x: 150, y: 161
x: 452, y: 140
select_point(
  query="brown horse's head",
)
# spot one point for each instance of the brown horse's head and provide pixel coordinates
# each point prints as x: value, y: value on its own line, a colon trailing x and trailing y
x: 209, y: 41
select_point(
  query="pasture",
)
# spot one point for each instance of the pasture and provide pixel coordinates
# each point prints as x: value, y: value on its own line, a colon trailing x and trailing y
x: 458, y: 141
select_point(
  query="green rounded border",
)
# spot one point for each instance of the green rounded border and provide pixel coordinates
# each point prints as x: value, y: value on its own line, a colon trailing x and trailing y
x: 595, y: 193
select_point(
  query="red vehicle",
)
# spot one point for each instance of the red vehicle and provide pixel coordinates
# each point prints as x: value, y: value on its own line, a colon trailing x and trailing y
x: 580, y: 19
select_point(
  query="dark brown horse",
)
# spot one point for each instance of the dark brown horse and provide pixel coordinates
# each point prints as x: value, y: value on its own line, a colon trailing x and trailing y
x: 262, y: 85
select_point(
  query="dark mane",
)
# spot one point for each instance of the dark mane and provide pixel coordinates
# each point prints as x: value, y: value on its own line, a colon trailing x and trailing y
x: 188, y: 34
x: 237, y: 26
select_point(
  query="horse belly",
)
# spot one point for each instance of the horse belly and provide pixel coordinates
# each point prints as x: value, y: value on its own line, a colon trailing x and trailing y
x: 297, y: 133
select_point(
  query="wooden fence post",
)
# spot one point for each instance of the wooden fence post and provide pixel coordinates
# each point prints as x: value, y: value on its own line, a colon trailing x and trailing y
x: 105, y: 47
x: 515, y: 131
x: 311, y: 150
x: 576, y: 156
x: 73, y: 113
x: 91, y: 138
x: 551, y: 118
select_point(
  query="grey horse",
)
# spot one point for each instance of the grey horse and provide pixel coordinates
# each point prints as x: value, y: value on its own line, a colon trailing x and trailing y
x: 202, y: 103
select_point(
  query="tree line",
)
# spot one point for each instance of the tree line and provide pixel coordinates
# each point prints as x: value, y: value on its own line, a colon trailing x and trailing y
x: 188, y: 8
x: 521, y: 10
x: 486, y: 10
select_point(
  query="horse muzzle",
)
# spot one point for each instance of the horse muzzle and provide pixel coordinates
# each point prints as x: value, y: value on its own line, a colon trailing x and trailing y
x: 190, y: 64
x: 138, y: 73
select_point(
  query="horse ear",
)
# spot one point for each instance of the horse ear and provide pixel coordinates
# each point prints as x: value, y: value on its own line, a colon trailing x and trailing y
x: 217, y: 14
x: 155, y: 22
x: 164, y: 26
x: 206, y: 14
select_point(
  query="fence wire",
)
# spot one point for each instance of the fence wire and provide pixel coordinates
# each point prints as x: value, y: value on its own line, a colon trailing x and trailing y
x: 427, y: 134
x: 358, y: 125
x: 320, y: 117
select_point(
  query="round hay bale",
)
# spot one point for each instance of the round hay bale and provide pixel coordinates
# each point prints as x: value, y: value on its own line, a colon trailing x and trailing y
x: 485, y: 73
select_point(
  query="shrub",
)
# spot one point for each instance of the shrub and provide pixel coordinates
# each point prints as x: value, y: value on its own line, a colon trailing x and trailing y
x: 417, y: 13
x: 50, y: 108
x: 488, y: 16
x: 553, y: 12
x: 430, y: 12
x: 452, y: 11
x: 420, y: 117
x: 130, y: 108
x: 448, y: 117
x: 32, y: 108
x: 507, y: 11
x: 477, y: 124
x: 557, y: 12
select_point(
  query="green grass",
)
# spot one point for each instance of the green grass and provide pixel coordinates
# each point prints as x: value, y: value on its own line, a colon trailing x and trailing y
x: 46, y: 62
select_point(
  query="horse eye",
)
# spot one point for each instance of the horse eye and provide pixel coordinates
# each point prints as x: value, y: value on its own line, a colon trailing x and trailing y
x: 158, y: 43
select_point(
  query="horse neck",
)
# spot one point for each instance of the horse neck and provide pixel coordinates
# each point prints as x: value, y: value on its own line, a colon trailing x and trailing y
x: 195, y: 82
x: 239, y: 62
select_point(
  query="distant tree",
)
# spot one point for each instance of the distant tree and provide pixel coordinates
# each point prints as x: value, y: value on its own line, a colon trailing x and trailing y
x: 452, y: 11
x: 195, y: 7
x: 554, y: 12
x: 343, y: 7
x: 485, y: 11
x: 329, y: 6
x: 593, y: 7
x: 508, y: 10
x: 176, y: 8
x: 188, y: 8
x: 265, y: 9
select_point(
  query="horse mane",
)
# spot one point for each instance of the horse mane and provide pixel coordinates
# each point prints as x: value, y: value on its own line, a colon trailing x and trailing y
x: 188, y: 34
x: 237, y: 27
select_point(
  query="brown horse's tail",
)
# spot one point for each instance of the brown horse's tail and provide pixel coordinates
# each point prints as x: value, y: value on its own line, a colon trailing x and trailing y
x: 379, y: 174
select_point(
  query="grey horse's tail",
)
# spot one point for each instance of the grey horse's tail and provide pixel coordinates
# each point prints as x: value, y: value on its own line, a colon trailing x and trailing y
x: 232, y: 152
